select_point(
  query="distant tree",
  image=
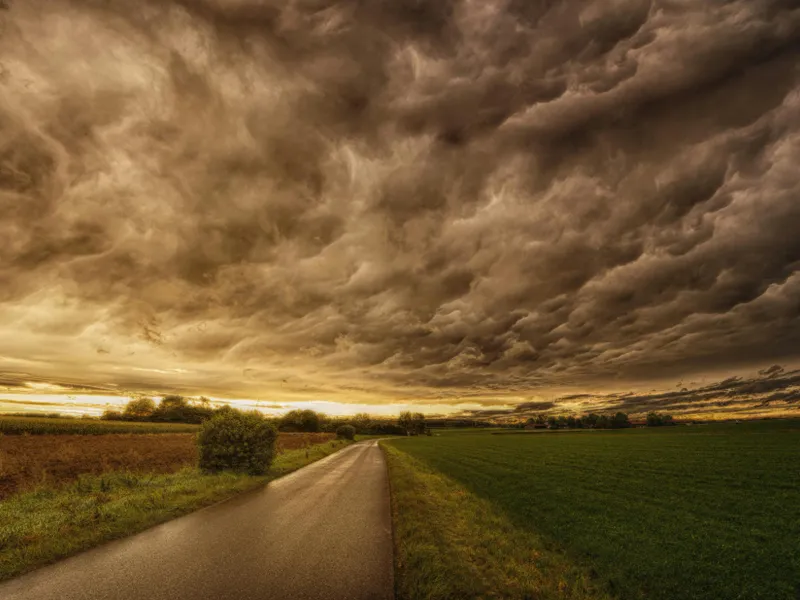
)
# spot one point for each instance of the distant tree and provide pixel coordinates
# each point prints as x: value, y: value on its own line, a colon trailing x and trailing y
x: 346, y: 432
x: 655, y: 419
x: 552, y: 422
x: 406, y: 422
x: 310, y: 421
x: 386, y: 428
x: 301, y: 420
x: 177, y: 409
x: 171, y: 408
x: 202, y: 409
x: 419, y: 423
x: 111, y: 414
x: 361, y: 421
x: 571, y: 422
x: 590, y: 420
x: 620, y: 421
x: 331, y: 424
x: 603, y: 422
x: 139, y: 409
x: 541, y: 419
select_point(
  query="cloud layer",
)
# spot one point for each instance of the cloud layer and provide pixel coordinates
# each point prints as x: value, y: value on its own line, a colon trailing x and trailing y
x: 773, y: 391
x: 444, y: 200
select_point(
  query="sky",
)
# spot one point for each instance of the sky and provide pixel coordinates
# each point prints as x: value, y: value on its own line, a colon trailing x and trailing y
x: 455, y: 205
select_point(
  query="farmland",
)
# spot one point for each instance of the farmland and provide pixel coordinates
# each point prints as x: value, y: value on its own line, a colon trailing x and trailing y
x: 66, y: 493
x: 702, y: 513
x: 50, y: 460
x: 46, y: 425
x: 28, y: 461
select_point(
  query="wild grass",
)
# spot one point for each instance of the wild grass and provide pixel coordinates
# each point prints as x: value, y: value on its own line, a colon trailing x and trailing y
x: 450, y: 543
x: 706, y: 512
x: 46, y: 524
x: 53, y: 426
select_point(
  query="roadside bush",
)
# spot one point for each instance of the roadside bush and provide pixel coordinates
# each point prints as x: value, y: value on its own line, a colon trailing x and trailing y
x: 237, y: 441
x: 346, y: 432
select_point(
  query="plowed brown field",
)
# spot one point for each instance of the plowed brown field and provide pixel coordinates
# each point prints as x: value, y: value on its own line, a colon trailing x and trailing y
x: 29, y: 461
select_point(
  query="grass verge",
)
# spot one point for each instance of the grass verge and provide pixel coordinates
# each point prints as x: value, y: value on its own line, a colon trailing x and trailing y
x: 450, y: 543
x: 44, y: 525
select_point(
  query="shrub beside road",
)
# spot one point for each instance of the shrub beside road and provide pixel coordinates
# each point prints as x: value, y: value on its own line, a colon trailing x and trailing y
x: 59, y: 517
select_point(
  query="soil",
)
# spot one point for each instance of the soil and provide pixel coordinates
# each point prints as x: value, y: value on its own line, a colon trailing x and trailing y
x: 28, y: 461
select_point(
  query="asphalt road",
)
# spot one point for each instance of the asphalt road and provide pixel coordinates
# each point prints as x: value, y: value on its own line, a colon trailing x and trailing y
x: 323, y: 532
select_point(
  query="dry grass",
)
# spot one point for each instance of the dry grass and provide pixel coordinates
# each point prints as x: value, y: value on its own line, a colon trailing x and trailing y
x: 54, y: 460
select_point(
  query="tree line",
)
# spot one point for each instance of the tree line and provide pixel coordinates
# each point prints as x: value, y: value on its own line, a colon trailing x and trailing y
x: 618, y: 420
x: 179, y: 409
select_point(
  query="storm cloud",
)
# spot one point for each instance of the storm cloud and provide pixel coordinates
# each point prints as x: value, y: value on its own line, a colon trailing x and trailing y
x: 771, y: 392
x: 442, y: 200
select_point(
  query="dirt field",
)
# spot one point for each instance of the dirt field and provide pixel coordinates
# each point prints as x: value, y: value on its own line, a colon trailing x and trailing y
x: 29, y: 461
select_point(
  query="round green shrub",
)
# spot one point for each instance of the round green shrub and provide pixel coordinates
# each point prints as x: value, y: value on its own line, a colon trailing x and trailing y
x: 346, y: 432
x: 237, y: 441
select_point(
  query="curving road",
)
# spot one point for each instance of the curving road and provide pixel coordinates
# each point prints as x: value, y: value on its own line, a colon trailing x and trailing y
x: 323, y: 532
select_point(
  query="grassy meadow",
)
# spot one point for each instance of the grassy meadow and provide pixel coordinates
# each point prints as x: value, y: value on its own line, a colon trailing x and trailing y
x: 704, y: 512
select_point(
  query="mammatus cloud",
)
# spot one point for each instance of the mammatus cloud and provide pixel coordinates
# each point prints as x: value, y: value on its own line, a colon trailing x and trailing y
x: 372, y: 201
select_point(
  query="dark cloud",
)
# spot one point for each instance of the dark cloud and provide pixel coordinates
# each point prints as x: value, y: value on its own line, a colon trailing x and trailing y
x: 773, y: 388
x: 452, y: 200
x: 534, y: 406
x: 27, y: 403
x: 772, y: 371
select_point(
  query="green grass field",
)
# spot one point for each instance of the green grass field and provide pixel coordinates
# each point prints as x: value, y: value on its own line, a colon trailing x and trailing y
x: 707, y: 512
x: 46, y: 425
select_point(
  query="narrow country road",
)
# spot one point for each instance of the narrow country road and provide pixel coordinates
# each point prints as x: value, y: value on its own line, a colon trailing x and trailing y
x: 323, y: 532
